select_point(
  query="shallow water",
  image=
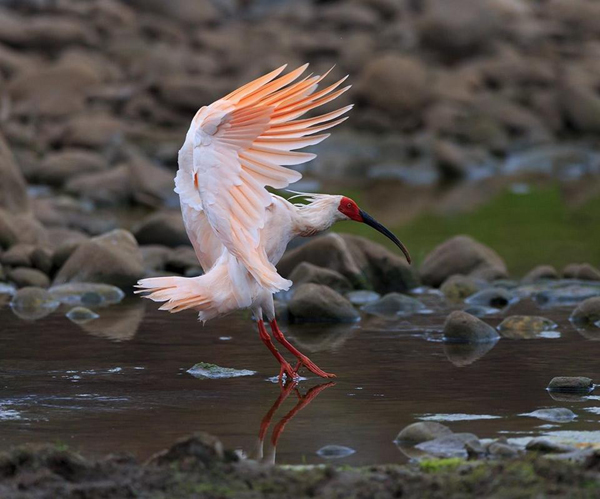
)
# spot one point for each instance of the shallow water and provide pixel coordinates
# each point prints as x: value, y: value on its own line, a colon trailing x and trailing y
x: 119, y: 383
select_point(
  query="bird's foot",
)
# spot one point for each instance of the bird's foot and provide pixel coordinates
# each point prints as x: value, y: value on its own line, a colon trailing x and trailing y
x: 289, y: 372
x: 312, y: 367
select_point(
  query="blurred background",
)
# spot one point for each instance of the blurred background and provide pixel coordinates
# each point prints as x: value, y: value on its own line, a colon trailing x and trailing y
x: 472, y: 116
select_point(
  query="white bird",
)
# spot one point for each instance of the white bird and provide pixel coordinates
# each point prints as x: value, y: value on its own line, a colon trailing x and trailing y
x: 239, y: 230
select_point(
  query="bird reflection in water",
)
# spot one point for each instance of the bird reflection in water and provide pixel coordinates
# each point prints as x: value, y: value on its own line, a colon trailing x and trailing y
x: 302, y: 401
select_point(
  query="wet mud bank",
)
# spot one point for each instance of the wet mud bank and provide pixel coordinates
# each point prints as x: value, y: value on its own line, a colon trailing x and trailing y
x: 198, y: 466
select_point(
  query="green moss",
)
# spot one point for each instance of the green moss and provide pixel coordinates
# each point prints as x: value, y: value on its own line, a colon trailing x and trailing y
x: 437, y: 465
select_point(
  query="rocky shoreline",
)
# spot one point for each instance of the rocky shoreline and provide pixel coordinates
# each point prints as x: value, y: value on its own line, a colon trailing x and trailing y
x: 198, y: 466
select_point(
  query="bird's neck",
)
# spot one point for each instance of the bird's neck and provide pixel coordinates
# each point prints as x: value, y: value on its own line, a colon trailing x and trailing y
x: 312, y: 219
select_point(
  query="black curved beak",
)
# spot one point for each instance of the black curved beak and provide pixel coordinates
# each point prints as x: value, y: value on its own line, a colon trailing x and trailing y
x: 369, y: 220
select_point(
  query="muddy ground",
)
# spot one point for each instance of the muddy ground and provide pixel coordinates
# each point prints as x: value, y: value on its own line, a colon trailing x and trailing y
x: 199, y: 467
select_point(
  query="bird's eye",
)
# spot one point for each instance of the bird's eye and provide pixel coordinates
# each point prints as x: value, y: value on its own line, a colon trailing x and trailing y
x: 349, y: 205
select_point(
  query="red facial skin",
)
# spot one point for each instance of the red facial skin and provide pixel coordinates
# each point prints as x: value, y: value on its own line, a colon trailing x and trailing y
x: 350, y: 209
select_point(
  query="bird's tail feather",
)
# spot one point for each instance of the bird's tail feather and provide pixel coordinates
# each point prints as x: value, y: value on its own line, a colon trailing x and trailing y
x: 178, y: 293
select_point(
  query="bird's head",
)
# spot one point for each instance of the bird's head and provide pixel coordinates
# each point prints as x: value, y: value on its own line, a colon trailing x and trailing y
x: 349, y: 210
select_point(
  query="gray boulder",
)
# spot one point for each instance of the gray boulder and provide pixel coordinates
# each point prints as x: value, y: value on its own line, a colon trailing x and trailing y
x: 540, y: 272
x: 108, y: 188
x: 587, y: 313
x: 461, y: 327
x: 307, y: 272
x: 459, y: 255
x: 163, y: 227
x: 113, y: 258
x: 318, y: 303
x: 422, y: 431
x: 545, y: 446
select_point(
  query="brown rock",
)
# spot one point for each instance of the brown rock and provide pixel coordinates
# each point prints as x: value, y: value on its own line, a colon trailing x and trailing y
x: 93, y: 130
x: 111, y: 187
x: 164, y: 227
x: 541, y: 272
x: 58, y: 168
x: 587, y: 313
x: 583, y: 271
x: 13, y: 189
x: 112, y: 258
x: 23, y: 277
x: 151, y: 184
x: 459, y: 255
x: 18, y: 255
x: 307, y: 272
x: 318, y: 303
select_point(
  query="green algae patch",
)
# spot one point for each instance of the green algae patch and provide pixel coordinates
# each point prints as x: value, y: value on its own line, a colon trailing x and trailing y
x: 438, y: 465
x: 204, y: 370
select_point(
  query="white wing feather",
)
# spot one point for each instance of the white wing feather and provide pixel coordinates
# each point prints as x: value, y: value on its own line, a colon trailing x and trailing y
x: 237, y: 146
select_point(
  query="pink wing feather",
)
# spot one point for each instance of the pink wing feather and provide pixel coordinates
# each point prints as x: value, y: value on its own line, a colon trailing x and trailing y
x: 242, y: 143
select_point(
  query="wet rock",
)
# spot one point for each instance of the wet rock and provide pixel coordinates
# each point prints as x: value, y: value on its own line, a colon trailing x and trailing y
x: 364, y: 263
x: 59, y: 167
x: 459, y: 255
x: 81, y: 315
x: 396, y: 84
x: 555, y: 414
x: 200, y: 448
x: 577, y: 384
x: 362, y: 297
x: 526, y: 324
x: 113, y: 258
x: 566, y: 294
x: 164, y: 227
x: 204, y: 370
x: 492, y: 297
x: 540, y: 272
x: 464, y: 354
x: 489, y: 274
x: 394, y: 305
x: 583, y: 271
x: 587, y: 313
x: 86, y: 293
x: 458, y: 287
x: 23, y: 277
x: 307, y: 272
x: 422, y: 431
x: 545, y: 446
x: 453, y: 445
x: 33, y: 303
x: 318, y: 303
x: 335, y: 451
x: 461, y: 327
x: 13, y: 189
x: 94, y: 130
x: 106, y: 188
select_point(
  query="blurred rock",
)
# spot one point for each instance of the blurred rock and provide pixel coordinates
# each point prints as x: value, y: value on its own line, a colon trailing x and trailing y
x: 526, y: 323
x: 318, y: 303
x: 577, y: 384
x: 307, y: 272
x: 18, y: 255
x: 423, y: 431
x: 459, y: 255
x: 151, y: 184
x: 546, y: 446
x: 458, y: 287
x: 362, y: 297
x: 194, y: 13
x: 461, y: 327
x: 587, y: 313
x: 492, y: 297
x: 13, y: 189
x: 540, y: 272
x: 87, y: 294
x: 164, y: 228
x: 394, y: 305
x: 119, y: 322
x: 582, y: 271
x: 23, y: 277
x: 554, y: 414
x: 180, y: 259
x: 107, y: 188
x: 155, y: 257
x: 113, y: 258
x: 32, y: 303
x: 57, y: 168
x: 95, y: 130
x: 453, y: 445
x: 81, y: 315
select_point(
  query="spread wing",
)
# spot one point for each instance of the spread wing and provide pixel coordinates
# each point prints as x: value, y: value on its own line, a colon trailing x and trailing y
x: 241, y: 144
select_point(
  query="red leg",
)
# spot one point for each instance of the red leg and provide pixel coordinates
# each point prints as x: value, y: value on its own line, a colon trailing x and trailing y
x: 303, y: 360
x: 285, y: 367
x: 266, y: 420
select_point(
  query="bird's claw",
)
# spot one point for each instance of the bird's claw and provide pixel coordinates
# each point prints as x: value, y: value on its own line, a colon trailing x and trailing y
x: 289, y: 372
x: 312, y: 367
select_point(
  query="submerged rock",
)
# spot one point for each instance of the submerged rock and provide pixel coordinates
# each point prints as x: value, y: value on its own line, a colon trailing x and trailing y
x: 394, y: 305
x: 318, y: 303
x: 454, y: 445
x: 458, y: 287
x: 587, y: 313
x: 307, y: 272
x: 362, y: 297
x: 517, y: 326
x: 459, y: 255
x: 555, y: 414
x: 461, y: 327
x: 576, y: 384
x: 87, y: 293
x: 33, y: 303
x: 422, y: 431
x: 81, y: 315
x: 335, y: 451
x: 204, y: 370
x: 492, y: 297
